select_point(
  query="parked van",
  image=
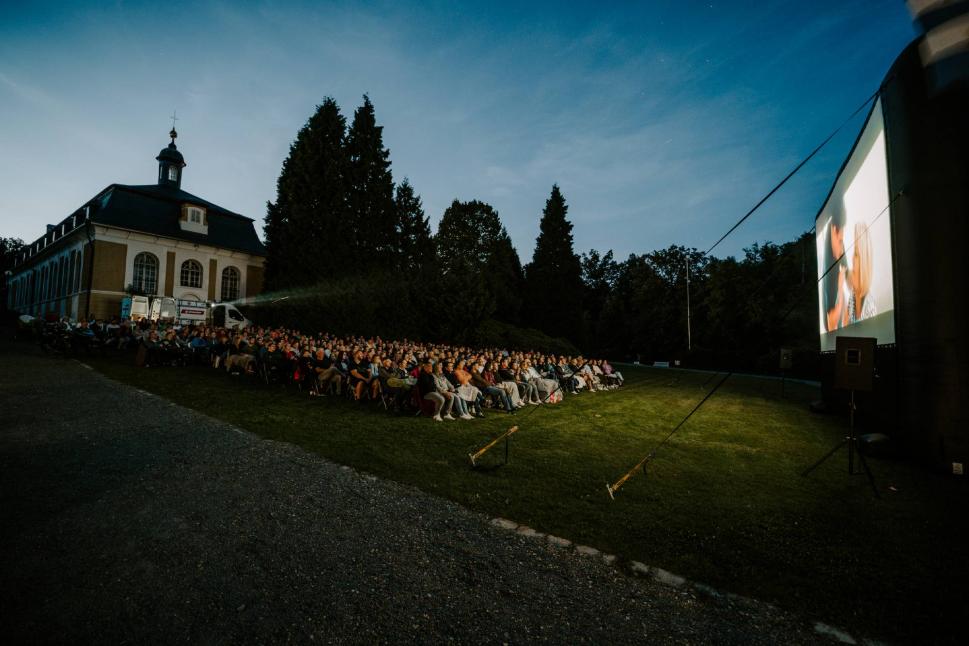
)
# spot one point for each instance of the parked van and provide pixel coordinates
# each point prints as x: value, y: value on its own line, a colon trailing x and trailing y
x: 183, y: 312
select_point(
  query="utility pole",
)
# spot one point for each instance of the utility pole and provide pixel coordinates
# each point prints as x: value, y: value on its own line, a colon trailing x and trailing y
x: 689, y: 339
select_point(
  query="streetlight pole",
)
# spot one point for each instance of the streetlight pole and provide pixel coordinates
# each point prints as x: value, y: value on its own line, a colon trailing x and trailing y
x: 689, y: 339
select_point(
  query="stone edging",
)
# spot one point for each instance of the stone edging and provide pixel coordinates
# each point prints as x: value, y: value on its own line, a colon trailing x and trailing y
x: 664, y: 577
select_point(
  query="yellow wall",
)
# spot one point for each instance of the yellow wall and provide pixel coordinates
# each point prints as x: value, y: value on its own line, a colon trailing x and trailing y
x: 170, y: 274
x: 109, y: 265
x: 213, y: 270
x: 253, y: 280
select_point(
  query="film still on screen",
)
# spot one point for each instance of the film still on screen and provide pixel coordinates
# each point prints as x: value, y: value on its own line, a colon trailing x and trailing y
x: 854, y: 244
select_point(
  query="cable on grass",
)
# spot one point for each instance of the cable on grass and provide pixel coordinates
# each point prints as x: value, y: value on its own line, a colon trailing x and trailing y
x: 613, y: 488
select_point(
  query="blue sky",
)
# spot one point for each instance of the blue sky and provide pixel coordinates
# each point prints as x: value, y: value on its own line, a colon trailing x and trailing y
x: 662, y: 122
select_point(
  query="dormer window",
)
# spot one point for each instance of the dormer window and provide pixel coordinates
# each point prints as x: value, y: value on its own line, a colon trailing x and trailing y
x: 194, y: 218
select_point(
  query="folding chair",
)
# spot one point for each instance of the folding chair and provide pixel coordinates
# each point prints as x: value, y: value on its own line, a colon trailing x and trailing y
x: 385, y: 396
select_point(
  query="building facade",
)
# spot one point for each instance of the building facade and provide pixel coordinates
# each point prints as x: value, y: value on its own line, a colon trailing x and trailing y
x: 153, y: 239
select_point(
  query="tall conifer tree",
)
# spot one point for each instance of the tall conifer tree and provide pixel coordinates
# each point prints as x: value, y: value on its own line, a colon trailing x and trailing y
x: 478, y: 261
x: 554, y: 277
x: 306, y: 228
x: 370, y: 189
x: 415, y: 248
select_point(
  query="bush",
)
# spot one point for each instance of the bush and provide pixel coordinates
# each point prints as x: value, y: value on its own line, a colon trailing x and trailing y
x: 493, y: 333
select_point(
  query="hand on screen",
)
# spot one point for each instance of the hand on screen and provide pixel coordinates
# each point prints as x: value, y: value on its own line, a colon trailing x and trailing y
x: 836, y: 315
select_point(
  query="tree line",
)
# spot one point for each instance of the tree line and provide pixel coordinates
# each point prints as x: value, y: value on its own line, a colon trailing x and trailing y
x: 350, y: 250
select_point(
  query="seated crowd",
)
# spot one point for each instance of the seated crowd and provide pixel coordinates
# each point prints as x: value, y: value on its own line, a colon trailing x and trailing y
x: 443, y: 381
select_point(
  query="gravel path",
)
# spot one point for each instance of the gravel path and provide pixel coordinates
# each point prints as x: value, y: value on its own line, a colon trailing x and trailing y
x: 125, y: 518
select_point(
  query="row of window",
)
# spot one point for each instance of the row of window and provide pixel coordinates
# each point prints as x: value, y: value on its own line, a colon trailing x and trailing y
x: 62, y: 276
x: 190, y: 275
x: 58, y: 277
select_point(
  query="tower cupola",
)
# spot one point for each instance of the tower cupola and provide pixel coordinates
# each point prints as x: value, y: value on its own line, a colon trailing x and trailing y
x: 170, y: 164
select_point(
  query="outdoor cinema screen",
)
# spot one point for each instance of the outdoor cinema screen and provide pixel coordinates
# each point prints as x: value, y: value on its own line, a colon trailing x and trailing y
x: 854, y: 238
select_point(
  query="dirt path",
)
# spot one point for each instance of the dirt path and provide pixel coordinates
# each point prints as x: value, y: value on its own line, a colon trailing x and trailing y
x: 125, y: 518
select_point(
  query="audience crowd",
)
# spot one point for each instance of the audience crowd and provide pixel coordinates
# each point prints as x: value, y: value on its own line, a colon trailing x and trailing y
x: 441, y: 380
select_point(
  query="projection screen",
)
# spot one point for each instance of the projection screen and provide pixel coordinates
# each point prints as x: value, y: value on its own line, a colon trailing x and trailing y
x: 853, y: 229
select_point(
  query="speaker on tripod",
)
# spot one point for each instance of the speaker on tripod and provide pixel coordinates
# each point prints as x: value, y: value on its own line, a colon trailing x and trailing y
x: 854, y: 371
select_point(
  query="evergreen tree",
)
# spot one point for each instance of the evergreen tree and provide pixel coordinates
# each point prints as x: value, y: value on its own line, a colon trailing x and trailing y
x: 415, y: 248
x: 504, y: 272
x: 277, y: 259
x: 307, y: 227
x: 478, y: 263
x: 599, y: 274
x: 370, y: 189
x: 553, y: 280
x: 468, y: 233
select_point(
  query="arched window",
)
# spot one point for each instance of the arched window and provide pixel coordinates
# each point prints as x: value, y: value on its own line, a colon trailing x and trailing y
x: 191, y: 274
x: 230, y: 284
x: 145, y: 277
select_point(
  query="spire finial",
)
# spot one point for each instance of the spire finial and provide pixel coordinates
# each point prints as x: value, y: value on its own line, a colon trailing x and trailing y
x: 173, y: 134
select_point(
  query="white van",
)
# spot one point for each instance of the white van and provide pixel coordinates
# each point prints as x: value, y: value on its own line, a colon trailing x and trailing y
x: 184, y: 312
x: 226, y: 315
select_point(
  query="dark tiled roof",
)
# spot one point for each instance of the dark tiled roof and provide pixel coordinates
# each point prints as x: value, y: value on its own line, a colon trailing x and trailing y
x: 156, y: 210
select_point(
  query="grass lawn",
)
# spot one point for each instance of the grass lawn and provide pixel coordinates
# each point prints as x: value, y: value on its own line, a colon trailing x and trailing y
x: 723, y: 504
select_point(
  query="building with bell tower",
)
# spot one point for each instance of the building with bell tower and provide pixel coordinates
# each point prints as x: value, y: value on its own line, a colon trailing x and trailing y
x: 152, y: 239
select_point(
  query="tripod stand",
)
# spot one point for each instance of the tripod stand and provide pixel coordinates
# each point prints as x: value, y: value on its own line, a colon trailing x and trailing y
x: 851, y: 440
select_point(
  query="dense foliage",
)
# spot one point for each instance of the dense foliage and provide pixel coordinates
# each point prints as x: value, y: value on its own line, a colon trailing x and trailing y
x: 741, y: 311
x: 351, y: 251
x: 8, y: 253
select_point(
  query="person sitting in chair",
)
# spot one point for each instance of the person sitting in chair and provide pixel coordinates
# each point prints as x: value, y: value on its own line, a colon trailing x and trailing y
x: 361, y: 377
x: 446, y: 388
x: 480, y: 379
x: 427, y: 388
x: 325, y: 372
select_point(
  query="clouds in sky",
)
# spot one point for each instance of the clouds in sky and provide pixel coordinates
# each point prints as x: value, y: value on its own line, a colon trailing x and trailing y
x: 661, y: 122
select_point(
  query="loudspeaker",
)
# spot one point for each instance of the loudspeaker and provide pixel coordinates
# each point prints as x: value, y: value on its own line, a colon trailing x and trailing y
x: 787, y: 359
x: 854, y: 367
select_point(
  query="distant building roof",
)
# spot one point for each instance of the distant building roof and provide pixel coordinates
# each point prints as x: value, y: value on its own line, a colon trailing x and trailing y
x: 156, y: 210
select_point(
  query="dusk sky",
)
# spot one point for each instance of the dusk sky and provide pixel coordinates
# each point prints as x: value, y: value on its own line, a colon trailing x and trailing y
x: 662, y: 122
